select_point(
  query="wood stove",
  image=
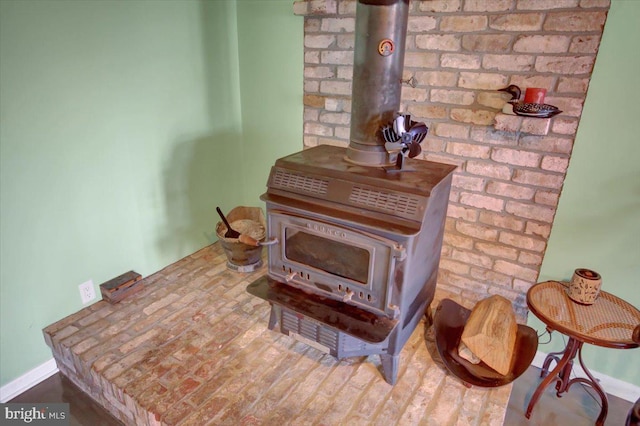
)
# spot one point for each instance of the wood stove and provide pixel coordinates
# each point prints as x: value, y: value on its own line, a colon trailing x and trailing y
x: 358, y: 239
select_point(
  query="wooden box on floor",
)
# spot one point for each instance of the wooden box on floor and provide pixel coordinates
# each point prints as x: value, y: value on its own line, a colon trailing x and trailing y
x: 116, y: 289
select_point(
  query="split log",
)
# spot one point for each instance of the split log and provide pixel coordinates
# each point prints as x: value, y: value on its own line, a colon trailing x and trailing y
x: 490, y: 333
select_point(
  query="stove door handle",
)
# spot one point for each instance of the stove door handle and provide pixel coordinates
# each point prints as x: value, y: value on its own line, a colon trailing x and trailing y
x: 289, y: 277
x: 250, y: 241
x: 270, y: 242
x: 399, y: 252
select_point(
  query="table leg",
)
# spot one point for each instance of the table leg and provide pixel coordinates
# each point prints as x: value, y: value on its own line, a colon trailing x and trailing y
x: 593, y: 382
x: 562, y: 385
x: 552, y: 356
x: 560, y: 373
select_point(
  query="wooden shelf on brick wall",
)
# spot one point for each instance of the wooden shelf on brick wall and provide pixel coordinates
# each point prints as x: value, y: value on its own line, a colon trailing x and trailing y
x: 516, y: 123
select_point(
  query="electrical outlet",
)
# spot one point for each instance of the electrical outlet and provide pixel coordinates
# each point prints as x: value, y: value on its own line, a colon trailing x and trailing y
x: 87, y: 292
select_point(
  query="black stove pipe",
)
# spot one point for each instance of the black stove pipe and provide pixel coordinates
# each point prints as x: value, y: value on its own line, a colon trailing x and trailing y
x: 381, y: 28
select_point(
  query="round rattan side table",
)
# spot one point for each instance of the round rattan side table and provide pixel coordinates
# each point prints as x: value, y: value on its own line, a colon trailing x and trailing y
x: 609, y: 322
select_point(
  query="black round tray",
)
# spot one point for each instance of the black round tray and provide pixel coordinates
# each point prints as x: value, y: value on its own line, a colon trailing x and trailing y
x: 449, y: 322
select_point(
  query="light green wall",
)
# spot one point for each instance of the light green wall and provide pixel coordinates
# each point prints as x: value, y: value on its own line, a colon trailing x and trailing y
x: 597, y: 224
x: 111, y: 140
x: 121, y: 130
x: 270, y: 41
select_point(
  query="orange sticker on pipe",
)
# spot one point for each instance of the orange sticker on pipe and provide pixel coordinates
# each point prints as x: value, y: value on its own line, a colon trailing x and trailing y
x: 386, y: 47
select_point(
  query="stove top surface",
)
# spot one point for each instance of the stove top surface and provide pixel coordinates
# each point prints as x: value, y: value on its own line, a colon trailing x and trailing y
x: 417, y: 177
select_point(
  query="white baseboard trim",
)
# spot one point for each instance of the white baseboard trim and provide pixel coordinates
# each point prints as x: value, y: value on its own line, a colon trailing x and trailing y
x: 611, y: 385
x: 28, y: 380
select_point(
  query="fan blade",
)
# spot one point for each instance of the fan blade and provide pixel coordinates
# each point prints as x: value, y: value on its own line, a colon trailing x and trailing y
x: 389, y: 135
x: 399, y: 125
x: 418, y: 128
x: 414, y: 149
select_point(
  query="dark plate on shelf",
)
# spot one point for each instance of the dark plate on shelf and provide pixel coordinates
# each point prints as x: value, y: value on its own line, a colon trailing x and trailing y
x: 538, y: 114
x: 449, y: 322
x: 535, y: 110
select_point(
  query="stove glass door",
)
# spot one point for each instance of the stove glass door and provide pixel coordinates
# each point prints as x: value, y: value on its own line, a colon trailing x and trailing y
x: 334, y: 257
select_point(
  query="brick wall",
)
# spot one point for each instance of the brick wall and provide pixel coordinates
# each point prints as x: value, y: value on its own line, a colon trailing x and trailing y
x: 511, y: 169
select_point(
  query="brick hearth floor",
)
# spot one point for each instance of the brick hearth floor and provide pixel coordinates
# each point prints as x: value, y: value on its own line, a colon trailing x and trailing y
x: 193, y: 348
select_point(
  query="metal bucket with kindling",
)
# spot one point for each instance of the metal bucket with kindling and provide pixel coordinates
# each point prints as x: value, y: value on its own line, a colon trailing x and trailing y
x: 244, y: 253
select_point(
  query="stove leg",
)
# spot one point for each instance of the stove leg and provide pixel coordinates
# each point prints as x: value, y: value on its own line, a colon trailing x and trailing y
x: 390, y: 367
x: 273, y: 317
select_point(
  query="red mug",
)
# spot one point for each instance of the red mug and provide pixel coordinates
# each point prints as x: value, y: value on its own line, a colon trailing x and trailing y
x: 534, y: 95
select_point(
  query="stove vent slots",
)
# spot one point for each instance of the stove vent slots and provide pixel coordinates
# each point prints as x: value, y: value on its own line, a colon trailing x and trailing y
x: 310, y: 330
x: 338, y: 344
x: 400, y: 204
x: 301, y: 183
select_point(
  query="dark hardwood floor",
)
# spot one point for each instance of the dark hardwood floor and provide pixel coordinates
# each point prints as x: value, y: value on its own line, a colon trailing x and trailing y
x: 84, y: 410
x: 580, y: 406
x: 576, y: 408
